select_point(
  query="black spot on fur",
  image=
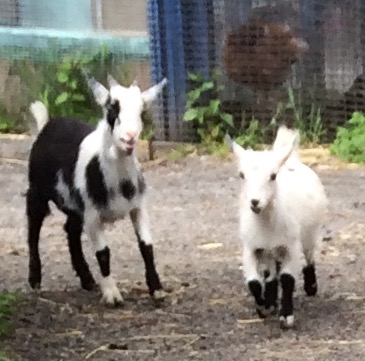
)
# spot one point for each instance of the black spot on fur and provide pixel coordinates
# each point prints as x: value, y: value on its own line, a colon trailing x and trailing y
x: 77, y: 197
x: 112, y: 113
x: 103, y: 258
x: 141, y: 184
x: 95, y: 183
x: 127, y: 188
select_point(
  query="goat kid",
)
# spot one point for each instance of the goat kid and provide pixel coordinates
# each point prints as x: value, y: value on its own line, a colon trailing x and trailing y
x: 282, y: 207
x: 93, y: 176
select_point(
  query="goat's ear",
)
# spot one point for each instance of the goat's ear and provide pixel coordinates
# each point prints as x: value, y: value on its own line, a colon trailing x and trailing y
x: 111, y: 81
x: 285, y: 152
x: 152, y: 93
x: 237, y: 150
x: 101, y: 94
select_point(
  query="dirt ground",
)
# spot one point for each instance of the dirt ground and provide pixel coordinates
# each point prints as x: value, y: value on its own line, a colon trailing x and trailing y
x: 208, y: 314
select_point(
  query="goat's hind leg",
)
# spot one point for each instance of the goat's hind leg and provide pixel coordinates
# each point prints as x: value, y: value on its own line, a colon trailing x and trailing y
x: 309, y: 270
x: 140, y: 220
x: 37, y: 209
x: 73, y: 228
x: 271, y: 289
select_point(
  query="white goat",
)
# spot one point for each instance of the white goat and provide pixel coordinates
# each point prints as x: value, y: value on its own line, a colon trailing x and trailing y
x: 93, y: 176
x: 282, y: 207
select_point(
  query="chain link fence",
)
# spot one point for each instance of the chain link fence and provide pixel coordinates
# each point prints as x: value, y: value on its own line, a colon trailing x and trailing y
x: 44, y: 44
x: 279, y: 60
x: 270, y: 60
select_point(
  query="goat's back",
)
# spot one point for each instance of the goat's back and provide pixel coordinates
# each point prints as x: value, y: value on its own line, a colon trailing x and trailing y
x: 301, y: 194
x: 56, y: 148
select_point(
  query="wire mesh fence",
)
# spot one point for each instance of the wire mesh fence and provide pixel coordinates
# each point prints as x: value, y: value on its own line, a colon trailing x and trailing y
x: 44, y: 44
x: 259, y: 61
x: 279, y: 60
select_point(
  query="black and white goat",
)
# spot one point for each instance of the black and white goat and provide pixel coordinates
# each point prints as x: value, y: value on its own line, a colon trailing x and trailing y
x: 93, y: 176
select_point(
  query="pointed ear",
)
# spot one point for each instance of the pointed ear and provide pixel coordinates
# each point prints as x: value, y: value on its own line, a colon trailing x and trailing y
x: 101, y: 94
x: 285, y: 152
x: 237, y: 150
x: 152, y: 93
x: 111, y: 81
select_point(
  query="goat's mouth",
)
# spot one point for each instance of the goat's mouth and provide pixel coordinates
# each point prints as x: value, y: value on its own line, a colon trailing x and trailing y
x: 256, y: 209
x: 128, y: 146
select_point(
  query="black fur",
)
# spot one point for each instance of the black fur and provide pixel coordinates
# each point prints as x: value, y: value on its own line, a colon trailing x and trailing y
x: 127, y: 189
x: 103, y: 258
x: 141, y: 184
x: 288, y: 284
x: 256, y: 291
x: 112, y: 112
x: 55, y: 149
x: 271, y: 293
x: 310, y: 280
x: 73, y: 228
x: 95, y: 183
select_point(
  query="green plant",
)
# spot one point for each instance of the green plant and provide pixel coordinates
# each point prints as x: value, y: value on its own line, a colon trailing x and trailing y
x: 253, y: 137
x: 62, y: 86
x: 204, y: 110
x: 181, y: 151
x: 7, y: 302
x: 309, y: 123
x: 349, y: 143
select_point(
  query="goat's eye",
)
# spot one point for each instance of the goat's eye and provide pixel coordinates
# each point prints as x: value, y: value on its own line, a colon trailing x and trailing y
x: 272, y: 176
x: 242, y: 176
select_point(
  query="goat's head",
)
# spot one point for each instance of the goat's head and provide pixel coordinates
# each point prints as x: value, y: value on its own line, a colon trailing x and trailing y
x: 258, y: 171
x: 123, y: 108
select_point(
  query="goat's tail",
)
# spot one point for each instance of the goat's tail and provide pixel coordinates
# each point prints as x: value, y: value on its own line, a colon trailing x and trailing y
x: 287, y: 136
x: 40, y: 114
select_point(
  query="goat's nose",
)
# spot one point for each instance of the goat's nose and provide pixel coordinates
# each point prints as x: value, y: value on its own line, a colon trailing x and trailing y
x: 255, y: 202
x: 132, y: 134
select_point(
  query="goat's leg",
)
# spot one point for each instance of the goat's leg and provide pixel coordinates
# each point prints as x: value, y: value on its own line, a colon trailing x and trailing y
x: 288, y: 275
x: 271, y: 289
x: 93, y: 228
x: 140, y: 220
x: 309, y: 270
x: 73, y: 228
x: 37, y: 209
x: 254, y: 281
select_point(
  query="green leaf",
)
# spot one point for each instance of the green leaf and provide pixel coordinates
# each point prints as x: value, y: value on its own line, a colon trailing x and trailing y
x: 195, y: 77
x: 228, y: 118
x: 62, y: 77
x: 190, y: 115
x: 62, y: 98
x: 215, y: 131
x: 78, y: 97
x: 214, y: 106
x: 207, y: 86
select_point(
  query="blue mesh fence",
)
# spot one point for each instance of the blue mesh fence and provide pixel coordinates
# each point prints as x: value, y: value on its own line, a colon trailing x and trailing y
x: 275, y: 59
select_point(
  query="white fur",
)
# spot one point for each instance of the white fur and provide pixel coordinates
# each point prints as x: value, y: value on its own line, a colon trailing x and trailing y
x: 40, y: 114
x: 114, y: 150
x: 291, y: 207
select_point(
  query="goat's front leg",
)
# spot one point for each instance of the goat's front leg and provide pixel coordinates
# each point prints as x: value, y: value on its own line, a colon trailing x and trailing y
x: 254, y: 281
x: 140, y: 220
x: 288, y: 274
x: 93, y: 228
